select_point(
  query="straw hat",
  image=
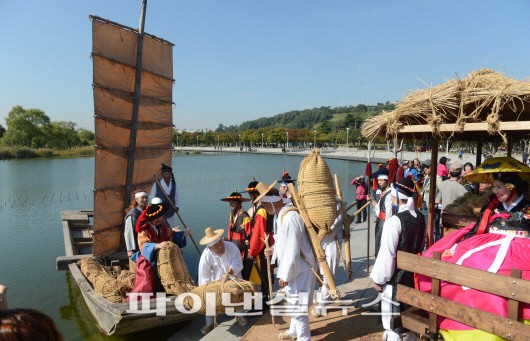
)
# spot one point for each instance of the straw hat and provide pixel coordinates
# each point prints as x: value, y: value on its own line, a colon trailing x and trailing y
x: 263, y: 189
x: 498, y: 165
x: 211, y: 235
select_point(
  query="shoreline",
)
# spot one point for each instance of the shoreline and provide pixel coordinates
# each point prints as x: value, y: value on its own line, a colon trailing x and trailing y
x: 341, y: 153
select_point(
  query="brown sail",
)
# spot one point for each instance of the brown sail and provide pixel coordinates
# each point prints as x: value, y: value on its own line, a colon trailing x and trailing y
x: 114, y: 63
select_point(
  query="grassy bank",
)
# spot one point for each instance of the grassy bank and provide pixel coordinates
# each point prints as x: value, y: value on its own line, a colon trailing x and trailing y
x: 16, y: 152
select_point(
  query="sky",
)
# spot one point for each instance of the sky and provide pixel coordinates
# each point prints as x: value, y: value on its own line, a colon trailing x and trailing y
x: 238, y: 60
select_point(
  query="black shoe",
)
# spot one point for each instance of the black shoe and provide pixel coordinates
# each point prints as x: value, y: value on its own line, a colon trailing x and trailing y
x: 358, y: 222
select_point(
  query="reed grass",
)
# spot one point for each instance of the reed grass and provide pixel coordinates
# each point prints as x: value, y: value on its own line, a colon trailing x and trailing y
x: 21, y: 152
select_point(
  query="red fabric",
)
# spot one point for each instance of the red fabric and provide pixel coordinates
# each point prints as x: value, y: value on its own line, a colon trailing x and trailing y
x: 382, y: 215
x: 392, y: 168
x: 368, y: 170
x: 258, y: 233
x: 153, y: 235
x: 141, y: 220
x: 494, y: 202
x: 400, y: 173
x: 144, y: 279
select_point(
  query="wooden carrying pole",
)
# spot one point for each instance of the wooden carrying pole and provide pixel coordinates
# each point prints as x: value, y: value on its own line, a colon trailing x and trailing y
x: 346, y: 228
x: 177, y: 212
x: 266, y: 241
x: 315, y: 243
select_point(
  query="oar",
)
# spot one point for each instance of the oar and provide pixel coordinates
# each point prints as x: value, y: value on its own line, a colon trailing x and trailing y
x: 360, y: 209
x: 176, y: 211
x: 266, y: 241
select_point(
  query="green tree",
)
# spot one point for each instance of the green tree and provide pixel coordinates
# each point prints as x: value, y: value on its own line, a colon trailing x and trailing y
x: 86, y: 137
x: 60, y: 135
x: 325, y: 127
x: 2, y: 130
x: 24, y: 127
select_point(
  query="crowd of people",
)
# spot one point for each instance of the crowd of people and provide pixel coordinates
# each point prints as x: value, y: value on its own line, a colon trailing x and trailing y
x: 496, y: 242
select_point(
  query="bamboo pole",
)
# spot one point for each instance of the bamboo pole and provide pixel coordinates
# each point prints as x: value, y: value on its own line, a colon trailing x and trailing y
x: 432, y: 193
x: 315, y: 243
x: 177, y: 212
x: 346, y: 229
x: 266, y: 241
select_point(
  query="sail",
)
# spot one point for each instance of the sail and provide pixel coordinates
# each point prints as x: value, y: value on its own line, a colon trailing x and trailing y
x: 114, y: 65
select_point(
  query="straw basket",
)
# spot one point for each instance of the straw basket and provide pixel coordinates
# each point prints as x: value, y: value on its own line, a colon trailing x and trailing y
x: 316, y: 191
x: 236, y: 287
x: 173, y: 271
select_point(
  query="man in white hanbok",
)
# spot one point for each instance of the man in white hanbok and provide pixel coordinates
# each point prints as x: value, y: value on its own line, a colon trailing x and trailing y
x: 331, y: 246
x: 218, y: 258
x: 168, y: 186
x: 295, y: 260
x: 404, y: 231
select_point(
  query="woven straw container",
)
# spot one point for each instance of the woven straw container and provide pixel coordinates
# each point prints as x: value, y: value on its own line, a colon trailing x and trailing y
x: 316, y: 191
x: 236, y: 287
x: 108, y: 287
x: 173, y: 271
x: 126, y: 281
x: 90, y: 268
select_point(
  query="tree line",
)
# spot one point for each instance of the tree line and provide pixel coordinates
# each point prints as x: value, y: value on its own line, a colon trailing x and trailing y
x: 323, y: 126
x: 33, y: 128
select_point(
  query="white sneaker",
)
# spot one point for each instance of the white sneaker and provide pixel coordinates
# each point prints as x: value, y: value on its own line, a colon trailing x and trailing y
x: 316, y: 312
x: 286, y: 336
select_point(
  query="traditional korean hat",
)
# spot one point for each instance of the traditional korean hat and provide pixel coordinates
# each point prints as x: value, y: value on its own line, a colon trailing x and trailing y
x: 154, y: 211
x: 263, y: 190
x: 405, y: 188
x: 235, y: 196
x: 286, y: 178
x: 251, y: 188
x: 166, y: 168
x: 484, y: 171
x: 210, y: 236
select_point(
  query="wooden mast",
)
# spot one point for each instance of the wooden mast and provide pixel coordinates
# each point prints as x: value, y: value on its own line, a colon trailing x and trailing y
x: 135, y: 108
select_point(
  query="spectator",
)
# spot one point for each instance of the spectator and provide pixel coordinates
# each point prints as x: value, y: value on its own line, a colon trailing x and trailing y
x: 442, y: 170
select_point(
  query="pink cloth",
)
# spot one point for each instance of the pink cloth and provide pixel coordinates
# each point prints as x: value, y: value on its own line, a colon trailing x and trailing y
x: 442, y: 170
x: 517, y: 257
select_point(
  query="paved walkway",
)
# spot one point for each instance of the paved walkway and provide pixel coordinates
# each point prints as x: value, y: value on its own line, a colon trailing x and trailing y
x: 336, y: 326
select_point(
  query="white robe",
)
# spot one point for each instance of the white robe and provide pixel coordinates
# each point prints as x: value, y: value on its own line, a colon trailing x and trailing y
x: 388, y: 204
x: 330, y: 245
x: 212, y: 267
x: 291, y: 247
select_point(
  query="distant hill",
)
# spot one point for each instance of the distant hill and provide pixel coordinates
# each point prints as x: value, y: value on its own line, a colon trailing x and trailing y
x: 338, y: 117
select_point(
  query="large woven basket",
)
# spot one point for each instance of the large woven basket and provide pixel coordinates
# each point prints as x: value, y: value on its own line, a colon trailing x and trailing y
x: 316, y: 191
x: 102, y: 281
x: 236, y: 287
x: 173, y: 271
x: 89, y: 268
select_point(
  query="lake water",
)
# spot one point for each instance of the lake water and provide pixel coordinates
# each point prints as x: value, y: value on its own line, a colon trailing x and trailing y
x: 35, y: 191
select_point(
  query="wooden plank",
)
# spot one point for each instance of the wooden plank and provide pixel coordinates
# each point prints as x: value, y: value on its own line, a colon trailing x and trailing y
x: 435, y: 291
x: 62, y: 262
x: 77, y: 216
x: 415, y: 319
x: 513, y: 305
x: 480, y: 126
x: 491, y: 323
x: 68, y: 248
x: 504, y: 286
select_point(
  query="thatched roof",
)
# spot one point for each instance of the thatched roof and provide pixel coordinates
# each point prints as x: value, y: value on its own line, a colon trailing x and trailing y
x: 484, y: 101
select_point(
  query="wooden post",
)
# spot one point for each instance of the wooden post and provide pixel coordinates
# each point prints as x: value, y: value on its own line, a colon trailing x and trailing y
x: 509, y: 146
x: 135, y: 108
x: 315, y: 243
x: 435, y: 291
x: 432, y: 193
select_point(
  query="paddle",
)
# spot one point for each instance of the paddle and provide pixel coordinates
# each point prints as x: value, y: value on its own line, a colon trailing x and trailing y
x: 176, y: 211
x: 266, y: 241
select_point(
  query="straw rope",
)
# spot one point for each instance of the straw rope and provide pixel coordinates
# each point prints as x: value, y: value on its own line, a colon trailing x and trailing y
x: 104, y: 283
x: 316, y: 191
x: 235, y: 286
x: 173, y: 271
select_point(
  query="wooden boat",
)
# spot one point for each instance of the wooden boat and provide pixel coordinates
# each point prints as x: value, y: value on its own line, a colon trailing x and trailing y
x: 133, y: 126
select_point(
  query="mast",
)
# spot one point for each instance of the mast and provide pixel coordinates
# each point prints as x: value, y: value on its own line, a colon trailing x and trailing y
x: 135, y: 108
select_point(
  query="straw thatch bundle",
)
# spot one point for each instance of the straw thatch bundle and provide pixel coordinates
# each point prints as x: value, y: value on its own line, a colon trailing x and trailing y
x: 90, y: 268
x: 108, y: 287
x: 316, y: 191
x: 483, y: 96
x: 173, y: 271
x: 126, y: 281
x: 102, y: 281
x: 234, y: 286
